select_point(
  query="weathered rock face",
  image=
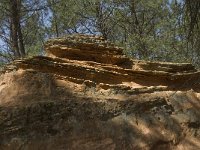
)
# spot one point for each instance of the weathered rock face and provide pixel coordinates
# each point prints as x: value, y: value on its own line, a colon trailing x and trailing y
x: 86, y: 95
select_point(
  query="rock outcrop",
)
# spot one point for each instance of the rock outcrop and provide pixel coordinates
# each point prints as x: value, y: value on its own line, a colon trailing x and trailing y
x: 85, y: 94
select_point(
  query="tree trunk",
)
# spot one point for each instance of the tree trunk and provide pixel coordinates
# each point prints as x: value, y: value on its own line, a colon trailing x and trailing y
x: 100, y: 20
x: 21, y: 41
x: 139, y: 31
x: 20, y: 36
x: 14, y: 26
x: 16, y: 33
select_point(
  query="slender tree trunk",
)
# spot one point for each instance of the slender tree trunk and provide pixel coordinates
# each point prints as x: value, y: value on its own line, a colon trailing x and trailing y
x: 14, y: 26
x: 100, y: 20
x: 56, y: 23
x: 138, y: 30
x: 21, y: 41
x: 20, y: 36
x: 56, y: 26
x: 11, y: 39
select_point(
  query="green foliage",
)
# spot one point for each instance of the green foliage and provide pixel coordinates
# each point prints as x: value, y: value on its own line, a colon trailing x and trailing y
x: 158, y: 30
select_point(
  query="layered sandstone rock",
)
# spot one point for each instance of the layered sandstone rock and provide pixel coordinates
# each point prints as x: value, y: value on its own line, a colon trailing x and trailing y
x: 85, y: 94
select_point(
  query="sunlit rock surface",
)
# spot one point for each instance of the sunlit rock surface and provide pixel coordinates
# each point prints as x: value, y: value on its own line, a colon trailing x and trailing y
x: 85, y: 94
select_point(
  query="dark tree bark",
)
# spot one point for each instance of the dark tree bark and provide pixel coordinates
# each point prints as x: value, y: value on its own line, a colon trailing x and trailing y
x: 55, y: 17
x: 100, y: 20
x: 20, y: 36
x: 16, y: 33
x: 137, y: 28
x: 14, y: 24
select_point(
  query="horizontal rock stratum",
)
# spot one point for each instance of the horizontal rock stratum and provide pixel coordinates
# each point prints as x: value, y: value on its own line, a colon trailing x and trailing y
x: 85, y: 94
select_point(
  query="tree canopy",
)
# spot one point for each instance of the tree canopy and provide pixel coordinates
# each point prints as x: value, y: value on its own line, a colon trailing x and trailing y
x: 157, y: 30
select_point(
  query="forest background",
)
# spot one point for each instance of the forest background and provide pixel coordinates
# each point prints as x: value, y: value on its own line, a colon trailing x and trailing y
x: 155, y: 30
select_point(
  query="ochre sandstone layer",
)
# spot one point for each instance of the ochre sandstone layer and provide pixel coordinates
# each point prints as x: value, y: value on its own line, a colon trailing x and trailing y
x: 85, y: 94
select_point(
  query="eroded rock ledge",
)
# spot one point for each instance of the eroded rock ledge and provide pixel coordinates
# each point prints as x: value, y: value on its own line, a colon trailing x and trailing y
x: 85, y: 94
